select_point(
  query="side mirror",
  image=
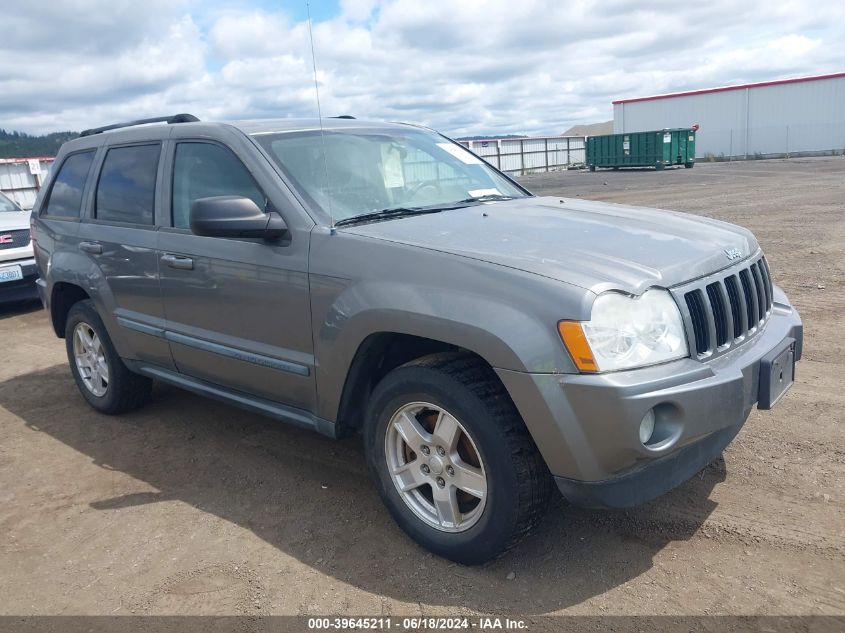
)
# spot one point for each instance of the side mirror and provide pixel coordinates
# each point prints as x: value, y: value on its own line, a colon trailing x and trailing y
x: 235, y: 216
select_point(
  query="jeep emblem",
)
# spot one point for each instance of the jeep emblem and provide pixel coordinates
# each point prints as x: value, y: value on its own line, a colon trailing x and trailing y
x: 733, y: 253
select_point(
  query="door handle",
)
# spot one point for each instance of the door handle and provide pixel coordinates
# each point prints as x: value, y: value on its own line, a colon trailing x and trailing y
x: 176, y: 261
x: 91, y: 247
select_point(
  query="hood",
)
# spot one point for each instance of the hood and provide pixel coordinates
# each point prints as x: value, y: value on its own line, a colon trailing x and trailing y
x: 14, y: 220
x: 595, y: 245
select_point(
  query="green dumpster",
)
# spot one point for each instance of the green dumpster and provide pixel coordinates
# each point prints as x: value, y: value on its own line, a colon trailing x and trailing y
x: 656, y: 149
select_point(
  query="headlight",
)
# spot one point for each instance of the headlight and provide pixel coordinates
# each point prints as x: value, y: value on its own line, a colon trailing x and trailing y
x: 626, y: 332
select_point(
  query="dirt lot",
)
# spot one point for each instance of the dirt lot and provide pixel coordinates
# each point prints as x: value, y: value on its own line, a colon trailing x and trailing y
x: 192, y: 507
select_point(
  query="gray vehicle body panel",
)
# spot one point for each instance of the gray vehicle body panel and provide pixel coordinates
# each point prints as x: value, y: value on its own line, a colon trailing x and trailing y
x: 596, y: 245
x: 279, y: 324
x: 444, y: 297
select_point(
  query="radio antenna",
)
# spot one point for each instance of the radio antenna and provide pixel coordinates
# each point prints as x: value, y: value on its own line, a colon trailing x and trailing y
x: 319, y: 115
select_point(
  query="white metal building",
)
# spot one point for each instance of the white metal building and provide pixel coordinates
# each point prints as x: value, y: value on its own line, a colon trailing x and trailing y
x: 769, y: 118
x: 21, y: 178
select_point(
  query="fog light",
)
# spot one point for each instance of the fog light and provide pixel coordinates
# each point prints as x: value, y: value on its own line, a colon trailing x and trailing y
x: 647, y: 427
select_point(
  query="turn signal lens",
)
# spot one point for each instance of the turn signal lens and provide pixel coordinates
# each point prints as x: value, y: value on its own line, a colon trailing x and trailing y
x: 573, y: 337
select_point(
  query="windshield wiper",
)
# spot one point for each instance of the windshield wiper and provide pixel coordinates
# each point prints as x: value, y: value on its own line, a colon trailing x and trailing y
x: 387, y: 214
x: 399, y: 212
x: 490, y: 197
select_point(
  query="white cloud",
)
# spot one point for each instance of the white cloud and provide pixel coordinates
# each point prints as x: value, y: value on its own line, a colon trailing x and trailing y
x: 249, y: 35
x: 475, y: 66
x: 358, y: 10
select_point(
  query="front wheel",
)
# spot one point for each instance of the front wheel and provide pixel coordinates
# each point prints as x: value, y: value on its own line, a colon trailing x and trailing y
x: 452, y: 459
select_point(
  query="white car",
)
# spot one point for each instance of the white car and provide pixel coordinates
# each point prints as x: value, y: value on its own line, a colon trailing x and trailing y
x: 17, y: 262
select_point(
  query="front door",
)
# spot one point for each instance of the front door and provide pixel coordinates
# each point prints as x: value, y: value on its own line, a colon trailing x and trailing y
x: 237, y: 310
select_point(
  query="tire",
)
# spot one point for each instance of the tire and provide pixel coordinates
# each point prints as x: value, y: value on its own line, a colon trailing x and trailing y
x: 491, y: 440
x: 592, y: 167
x: 123, y: 390
x: 689, y: 165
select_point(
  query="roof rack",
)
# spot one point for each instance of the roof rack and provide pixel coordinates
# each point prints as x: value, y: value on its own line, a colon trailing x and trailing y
x: 175, y: 118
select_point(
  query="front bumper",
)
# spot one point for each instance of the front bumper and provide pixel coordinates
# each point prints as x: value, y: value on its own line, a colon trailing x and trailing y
x: 587, y: 426
x: 650, y: 481
x: 21, y: 289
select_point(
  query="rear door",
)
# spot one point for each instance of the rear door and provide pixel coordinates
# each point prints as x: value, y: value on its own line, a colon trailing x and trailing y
x: 119, y: 237
x: 57, y: 223
x: 238, y: 310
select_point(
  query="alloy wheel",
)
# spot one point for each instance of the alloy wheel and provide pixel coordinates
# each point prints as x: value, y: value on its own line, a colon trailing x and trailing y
x: 436, y: 467
x: 90, y: 358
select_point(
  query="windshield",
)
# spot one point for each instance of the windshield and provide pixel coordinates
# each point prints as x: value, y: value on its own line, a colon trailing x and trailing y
x: 7, y: 205
x: 373, y: 170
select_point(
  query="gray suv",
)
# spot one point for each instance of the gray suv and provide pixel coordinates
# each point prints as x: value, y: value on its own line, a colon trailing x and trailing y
x: 374, y: 278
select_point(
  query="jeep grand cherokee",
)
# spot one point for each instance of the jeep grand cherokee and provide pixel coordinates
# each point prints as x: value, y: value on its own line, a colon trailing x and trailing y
x: 379, y: 278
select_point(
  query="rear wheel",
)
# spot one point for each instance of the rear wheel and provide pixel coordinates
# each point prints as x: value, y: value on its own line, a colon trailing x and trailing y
x: 452, y: 459
x: 101, y: 376
x: 689, y: 165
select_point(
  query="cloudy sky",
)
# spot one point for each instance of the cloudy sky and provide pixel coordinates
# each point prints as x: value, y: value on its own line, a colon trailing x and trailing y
x: 462, y: 66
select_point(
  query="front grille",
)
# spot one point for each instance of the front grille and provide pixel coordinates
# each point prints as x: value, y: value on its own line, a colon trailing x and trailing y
x: 14, y: 239
x: 723, y: 312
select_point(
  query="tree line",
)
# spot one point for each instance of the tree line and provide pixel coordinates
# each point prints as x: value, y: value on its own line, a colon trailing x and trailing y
x: 22, y: 145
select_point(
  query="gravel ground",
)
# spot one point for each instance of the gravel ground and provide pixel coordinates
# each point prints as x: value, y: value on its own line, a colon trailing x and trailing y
x: 192, y: 507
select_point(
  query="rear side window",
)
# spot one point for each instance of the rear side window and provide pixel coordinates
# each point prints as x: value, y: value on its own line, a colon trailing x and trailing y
x: 126, y: 190
x: 65, y: 199
x: 204, y: 170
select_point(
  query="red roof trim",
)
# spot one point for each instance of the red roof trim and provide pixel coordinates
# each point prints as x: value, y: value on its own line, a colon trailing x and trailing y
x: 705, y: 91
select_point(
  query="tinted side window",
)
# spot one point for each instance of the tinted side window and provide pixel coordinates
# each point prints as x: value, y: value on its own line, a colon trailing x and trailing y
x: 203, y: 170
x: 126, y: 190
x: 65, y: 198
